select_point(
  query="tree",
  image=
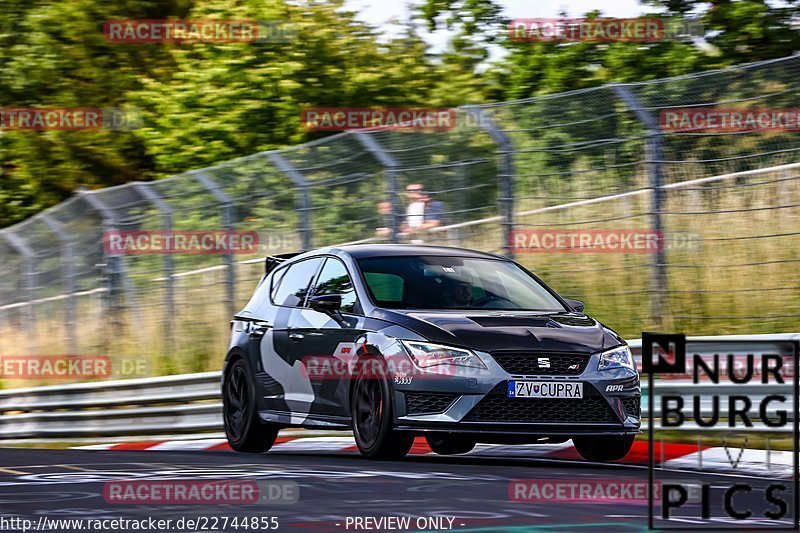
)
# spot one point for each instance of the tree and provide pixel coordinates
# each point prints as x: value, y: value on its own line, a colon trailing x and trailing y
x: 201, y: 103
x: 54, y: 55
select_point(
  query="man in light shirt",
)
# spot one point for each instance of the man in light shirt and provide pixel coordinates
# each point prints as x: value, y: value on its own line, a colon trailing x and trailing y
x: 422, y: 213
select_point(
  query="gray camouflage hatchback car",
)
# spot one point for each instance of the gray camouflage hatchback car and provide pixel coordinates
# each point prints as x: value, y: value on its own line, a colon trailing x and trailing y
x: 394, y: 341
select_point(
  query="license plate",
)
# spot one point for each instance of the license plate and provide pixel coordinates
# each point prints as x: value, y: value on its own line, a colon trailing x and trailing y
x: 545, y: 389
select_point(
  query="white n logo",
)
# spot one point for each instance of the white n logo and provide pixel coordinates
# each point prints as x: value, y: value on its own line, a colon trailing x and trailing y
x: 659, y: 355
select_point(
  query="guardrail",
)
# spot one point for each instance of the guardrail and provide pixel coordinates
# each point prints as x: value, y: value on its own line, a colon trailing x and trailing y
x: 187, y: 403
x: 191, y: 403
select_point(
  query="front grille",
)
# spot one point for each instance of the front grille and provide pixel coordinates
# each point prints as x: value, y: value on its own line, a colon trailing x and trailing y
x: 534, y: 364
x: 632, y: 405
x: 497, y: 407
x: 428, y: 403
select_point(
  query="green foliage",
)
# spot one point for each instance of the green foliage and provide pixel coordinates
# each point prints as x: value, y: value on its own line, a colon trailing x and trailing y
x: 201, y: 103
x: 55, y: 55
x: 206, y: 103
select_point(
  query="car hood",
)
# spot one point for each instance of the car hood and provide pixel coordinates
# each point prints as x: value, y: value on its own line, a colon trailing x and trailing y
x: 489, y: 331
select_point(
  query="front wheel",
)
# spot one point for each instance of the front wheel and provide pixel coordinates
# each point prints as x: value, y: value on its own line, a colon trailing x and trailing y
x: 243, y: 427
x: 372, y: 416
x: 450, y: 444
x: 603, y: 448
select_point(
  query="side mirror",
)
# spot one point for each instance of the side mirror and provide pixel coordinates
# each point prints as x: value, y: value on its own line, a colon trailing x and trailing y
x: 577, y: 305
x: 326, y: 303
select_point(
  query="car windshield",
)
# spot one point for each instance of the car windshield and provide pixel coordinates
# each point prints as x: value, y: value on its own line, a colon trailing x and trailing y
x: 432, y: 282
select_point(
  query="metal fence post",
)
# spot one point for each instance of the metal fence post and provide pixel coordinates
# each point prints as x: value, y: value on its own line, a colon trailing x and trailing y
x: 68, y: 268
x: 29, y: 257
x: 5, y: 322
x: 655, y: 148
x: 391, y: 165
x: 169, y: 264
x: 303, y: 199
x: 228, y: 219
x: 114, y: 267
x: 506, y: 175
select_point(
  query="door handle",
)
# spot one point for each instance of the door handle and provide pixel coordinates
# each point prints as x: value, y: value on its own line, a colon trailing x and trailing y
x: 296, y: 337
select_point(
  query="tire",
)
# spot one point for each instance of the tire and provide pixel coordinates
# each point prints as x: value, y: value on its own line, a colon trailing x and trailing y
x: 449, y: 443
x: 243, y: 428
x: 373, y: 416
x: 603, y: 448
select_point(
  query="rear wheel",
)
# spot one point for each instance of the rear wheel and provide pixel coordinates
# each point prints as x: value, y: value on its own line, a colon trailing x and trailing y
x: 243, y: 427
x: 603, y: 448
x: 450, y: 443
x: 372, y: 416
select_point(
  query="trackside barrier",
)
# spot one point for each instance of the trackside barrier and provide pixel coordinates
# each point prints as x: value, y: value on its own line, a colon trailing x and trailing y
x: 191, y: 403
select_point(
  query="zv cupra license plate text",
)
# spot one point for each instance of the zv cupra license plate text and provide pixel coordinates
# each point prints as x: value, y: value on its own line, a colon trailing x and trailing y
x: 545, y: 389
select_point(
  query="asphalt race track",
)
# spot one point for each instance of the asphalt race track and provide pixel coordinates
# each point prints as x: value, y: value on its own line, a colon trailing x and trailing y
x: 472, y: 491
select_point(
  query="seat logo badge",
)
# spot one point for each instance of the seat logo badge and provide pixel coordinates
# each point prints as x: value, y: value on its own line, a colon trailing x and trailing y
x: 543, y: 362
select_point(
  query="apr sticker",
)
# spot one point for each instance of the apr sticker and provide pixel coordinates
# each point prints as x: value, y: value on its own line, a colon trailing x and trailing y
x: 345, y: 351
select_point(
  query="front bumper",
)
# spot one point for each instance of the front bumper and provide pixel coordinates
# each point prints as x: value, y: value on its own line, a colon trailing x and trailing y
x: 533, y: 432
x: 474, y: 401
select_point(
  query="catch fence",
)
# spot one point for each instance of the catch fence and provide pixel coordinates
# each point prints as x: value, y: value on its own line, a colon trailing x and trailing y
x: 604, y: 159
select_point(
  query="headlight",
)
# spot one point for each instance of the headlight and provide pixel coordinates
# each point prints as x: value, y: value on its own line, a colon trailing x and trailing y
x: 426, y: 355
x: 619, y: 357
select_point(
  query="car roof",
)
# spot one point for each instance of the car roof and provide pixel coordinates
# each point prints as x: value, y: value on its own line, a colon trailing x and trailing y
x: 361, y: 251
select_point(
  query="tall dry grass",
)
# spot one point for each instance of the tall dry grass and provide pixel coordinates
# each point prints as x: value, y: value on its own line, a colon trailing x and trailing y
x: 743, y: 278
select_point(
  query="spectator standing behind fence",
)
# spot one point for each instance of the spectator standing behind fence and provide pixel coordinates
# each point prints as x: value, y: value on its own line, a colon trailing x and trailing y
x: 422, y: 214
x: 384, y: 232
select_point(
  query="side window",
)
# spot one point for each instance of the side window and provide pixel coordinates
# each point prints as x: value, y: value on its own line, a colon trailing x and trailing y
x: 334, y: 280
x: 386, y: 289
x: 276, y: 282
x: 294, y: 283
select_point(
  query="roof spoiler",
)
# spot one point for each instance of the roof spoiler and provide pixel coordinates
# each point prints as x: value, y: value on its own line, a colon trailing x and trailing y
x: 273, y: 261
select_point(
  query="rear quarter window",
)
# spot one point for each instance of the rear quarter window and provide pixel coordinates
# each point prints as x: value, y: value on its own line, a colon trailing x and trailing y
x: 276, y: 282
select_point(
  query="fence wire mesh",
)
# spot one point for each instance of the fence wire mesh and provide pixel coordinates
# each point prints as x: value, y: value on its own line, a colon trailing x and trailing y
x: 596, y: 159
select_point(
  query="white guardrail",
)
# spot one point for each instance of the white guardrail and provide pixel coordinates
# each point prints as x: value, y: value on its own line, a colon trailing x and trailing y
x: 191, y: 403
